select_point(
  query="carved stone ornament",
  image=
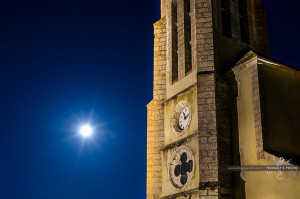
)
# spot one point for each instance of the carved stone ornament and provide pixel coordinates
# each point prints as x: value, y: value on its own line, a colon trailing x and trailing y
x: 181, y: 167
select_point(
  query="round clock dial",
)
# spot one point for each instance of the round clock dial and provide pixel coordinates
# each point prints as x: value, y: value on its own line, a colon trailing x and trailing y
x: 181, y: 117
x: 181, y: 167
x: 184, y: 118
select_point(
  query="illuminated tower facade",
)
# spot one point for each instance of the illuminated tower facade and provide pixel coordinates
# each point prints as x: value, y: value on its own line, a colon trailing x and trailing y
x: 193, y: 123
x: 189, y: 135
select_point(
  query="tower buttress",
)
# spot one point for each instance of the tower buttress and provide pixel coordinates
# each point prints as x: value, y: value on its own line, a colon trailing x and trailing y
x: 155, y: 114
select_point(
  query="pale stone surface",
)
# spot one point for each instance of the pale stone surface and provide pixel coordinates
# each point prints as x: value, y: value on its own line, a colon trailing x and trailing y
x: 155, y: 122
x: 206, y: 89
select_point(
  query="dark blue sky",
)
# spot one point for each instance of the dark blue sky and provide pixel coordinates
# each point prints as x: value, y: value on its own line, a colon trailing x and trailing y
x: 66, y: 62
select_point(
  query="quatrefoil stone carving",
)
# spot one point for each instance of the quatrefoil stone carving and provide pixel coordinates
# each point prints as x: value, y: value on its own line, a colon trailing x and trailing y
x: 181, y: 166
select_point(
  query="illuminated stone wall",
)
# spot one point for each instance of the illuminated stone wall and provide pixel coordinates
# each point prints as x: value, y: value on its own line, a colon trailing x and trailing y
x: 212, y: 56
x: 251, y: 121
x: 155, y: 114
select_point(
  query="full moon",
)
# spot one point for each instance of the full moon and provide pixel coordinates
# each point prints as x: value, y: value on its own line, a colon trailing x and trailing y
x: 86, y: 131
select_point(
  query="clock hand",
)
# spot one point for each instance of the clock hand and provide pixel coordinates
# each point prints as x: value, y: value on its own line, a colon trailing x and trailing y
x: 185, y: 116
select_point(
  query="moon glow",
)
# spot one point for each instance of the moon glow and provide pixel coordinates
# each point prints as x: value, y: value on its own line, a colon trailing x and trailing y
x: 86, y: 131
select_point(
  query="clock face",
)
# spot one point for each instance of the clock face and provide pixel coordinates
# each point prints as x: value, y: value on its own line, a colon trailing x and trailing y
x: 181, y: 117
x: 184, y: 118
x: 181, y: 167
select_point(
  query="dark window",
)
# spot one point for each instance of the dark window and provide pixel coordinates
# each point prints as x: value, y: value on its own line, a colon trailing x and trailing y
x: 187, y: 36
x: 244, y: 26
x: 226, y: 18
x: 174, y: 42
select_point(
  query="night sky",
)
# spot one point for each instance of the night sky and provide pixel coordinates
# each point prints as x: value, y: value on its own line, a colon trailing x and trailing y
x: 65, y: 63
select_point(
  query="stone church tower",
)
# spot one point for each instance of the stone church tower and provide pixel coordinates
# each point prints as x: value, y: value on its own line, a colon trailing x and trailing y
x: 195, y: 128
